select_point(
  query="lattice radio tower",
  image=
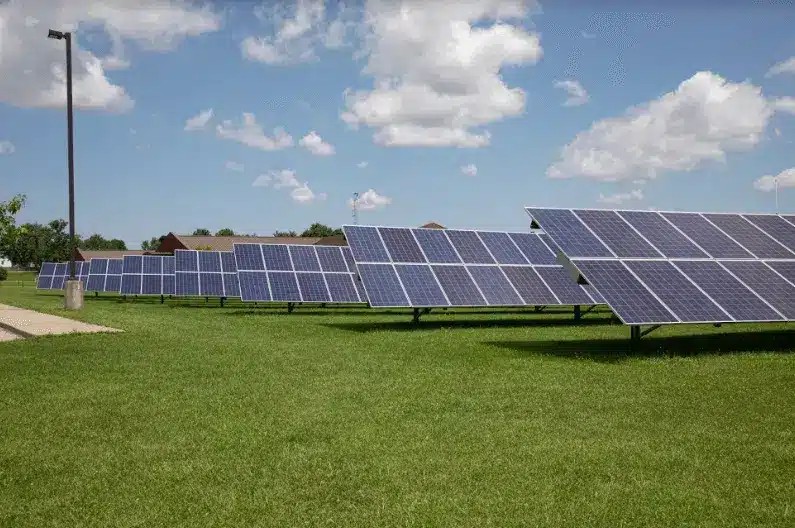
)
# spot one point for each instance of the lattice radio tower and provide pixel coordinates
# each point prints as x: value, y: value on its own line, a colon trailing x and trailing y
x: 355, y: 208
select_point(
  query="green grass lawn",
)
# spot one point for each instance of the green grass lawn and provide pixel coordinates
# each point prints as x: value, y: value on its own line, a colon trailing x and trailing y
x: 241, y: 416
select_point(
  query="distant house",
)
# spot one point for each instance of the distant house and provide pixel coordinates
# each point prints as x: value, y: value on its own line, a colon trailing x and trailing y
x: 172, y: 242
x: 433, y: 225
x: 86, y: 255
x: 5, y: 263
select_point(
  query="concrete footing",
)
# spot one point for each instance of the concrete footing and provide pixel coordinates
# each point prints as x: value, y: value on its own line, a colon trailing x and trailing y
x: 73, y: 295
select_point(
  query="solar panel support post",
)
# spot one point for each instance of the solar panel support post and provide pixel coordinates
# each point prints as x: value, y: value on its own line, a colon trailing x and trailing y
x: 162, y: 299
x: 416, y: 315
x: 290, y: 307
x: 634, y: 334
x: 577, y: 312
x: 223, y: 299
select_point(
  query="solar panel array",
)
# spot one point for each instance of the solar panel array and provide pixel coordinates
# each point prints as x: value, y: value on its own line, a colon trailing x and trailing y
x: 426, y: 268
x: 297, y: 273
x: 104, y: 275
x: 206, y: 273
x: 671, y: 267
x: 53, y: 275
x: 147, y: 275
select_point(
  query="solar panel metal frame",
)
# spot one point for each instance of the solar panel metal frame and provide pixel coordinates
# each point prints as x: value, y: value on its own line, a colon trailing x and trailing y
x: 243, y: 267
x: 222, y: 271
x: 464, y: 265
x: 104, y: 276
x: 140, y: 290
x: 708, y: 258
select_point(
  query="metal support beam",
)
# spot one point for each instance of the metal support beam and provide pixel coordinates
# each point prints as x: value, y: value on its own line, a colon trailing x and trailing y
x: 634, y: 334
x: 577, y: 312
x: 223, y: 299
x: 416, y: 316
x: 162, y: 299
x: 649, y: 330
x: 290, y: 307
x: 590, y: 308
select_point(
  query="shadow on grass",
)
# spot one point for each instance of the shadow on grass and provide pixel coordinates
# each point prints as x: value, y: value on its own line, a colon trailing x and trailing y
x: 409, y: 326
x: 614, y: 350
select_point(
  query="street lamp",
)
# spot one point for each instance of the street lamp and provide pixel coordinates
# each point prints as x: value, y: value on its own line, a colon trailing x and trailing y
x: 73, y: 299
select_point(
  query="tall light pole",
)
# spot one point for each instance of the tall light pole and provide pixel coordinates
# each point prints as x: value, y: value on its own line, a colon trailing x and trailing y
x: 74, y: 288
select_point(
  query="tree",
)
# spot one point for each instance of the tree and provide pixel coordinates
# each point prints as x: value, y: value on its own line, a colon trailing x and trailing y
x: 8, y: 213
x: 285, y: 234
x: 320, y: 230
x: 97, y: 242
x: 202, y: 232
x: 225, y: 232
x: 33, y: 244
x: 153, y: 243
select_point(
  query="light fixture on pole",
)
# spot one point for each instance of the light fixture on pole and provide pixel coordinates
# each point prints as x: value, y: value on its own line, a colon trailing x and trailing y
x: 73, y: 299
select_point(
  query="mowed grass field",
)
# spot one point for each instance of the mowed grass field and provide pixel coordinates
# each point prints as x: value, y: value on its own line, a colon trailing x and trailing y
x: 248, y: 416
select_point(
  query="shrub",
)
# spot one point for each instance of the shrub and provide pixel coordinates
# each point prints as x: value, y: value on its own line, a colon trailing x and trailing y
x: 3, y: 274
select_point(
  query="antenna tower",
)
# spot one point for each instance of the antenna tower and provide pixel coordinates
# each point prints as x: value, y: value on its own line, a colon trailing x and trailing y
x: 355, y: 208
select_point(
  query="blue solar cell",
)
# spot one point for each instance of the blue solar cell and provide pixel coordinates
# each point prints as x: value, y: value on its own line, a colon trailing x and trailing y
x: 169, y: 284
x: 569, y: 233
x: 44, y: 282
x: 131, y: 284
x: 348, y: 257
x: 186, y: 284
x: 533, y: 248
x: 186, y: 260
x: 152, y: 265
x: 458, y: 285
x: 60, y: 270
x: 502, y: 247
x: 331, y: 258
x: 617, y: 234
x: 529, y: 285
x: 253, y: 285
x: 789, y: 218
x: 84, y: 272
x: 436, y: 246
x: 495, y: 286
x: 707, y: 236
x: 341, y: 288
x: 58, y: 282
x: 211, y: 284
x: 284, y: 286
x: 231, y: 285
x: 359, y: 285
x: 248, y: 257
x: 776, y: 227
x: 785, y: 268
x: 659, y: 232
x: 594, y: 293
x: 727, y: 291
x: 563, y: 285
x: 365, y: 243
x: 749, y: 236
x: 382, y: 285
x: 313, y: 287
x: 421, y: 285
x: 228, y: 264
x: 169, y: 265
x: 113, y: 283
x: 47, y: 268
x: 628, y: 298
x: 766, y: 283
x: 115, y: 266
x: 304, y: 258
x: 277, y: 258
x: 677, y: 292
x: 469, y: 247
x: 152, y: 285
x: 95, y: 283
x: 401, y: 245
x: 209, y: 261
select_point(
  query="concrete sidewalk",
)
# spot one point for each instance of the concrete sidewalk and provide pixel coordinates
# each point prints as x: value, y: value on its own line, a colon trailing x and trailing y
x: 18, y: 322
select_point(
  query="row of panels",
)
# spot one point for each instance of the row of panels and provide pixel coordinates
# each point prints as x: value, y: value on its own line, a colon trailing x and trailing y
x: 434, y: 285
x: 53, y: 275
x: 371, y: 244
x: 594, y: 233
x: 694, y: 291
x: 287, y: 257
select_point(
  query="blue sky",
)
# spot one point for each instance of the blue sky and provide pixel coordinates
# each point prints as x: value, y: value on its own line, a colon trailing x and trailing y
x: 712, y: 112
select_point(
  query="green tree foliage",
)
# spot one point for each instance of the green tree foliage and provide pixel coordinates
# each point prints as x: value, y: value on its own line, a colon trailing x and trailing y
x: 153, y: 243
x: 320, y: 230
x: 8, y: 213
x: 285, y: 234
x: 31, y: 244
x: 202, y: 232
x: 97, y: 242
x: 225, y: 232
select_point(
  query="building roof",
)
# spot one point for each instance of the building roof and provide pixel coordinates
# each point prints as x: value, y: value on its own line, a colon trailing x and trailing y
x: 85, y: 254
x: 433, y: 225
x: 224, y: 243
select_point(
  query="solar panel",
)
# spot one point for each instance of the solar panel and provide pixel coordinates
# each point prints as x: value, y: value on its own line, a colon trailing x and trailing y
x: 662, y: 234
x: 53, y: 275
x: 499, y: 269
x: 140, y: 275
x: 46, y: 275
x: 206, y: 273
x: 752, y: 238
x: 292, y: 273
x: 569, y: 233
x: 616, y: 234
x: 784, y: 268
x: 766, y: 283
x: 366, y: 244
x: 707, y: 236
x: 776, y: 227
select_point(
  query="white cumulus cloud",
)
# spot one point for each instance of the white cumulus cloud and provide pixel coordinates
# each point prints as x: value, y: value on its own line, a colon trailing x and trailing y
x: 577, y: 95
x: 785, y: 66
x: 199, y: 121
x: 784, y: 104
x: 251, y: 134
x: 705, y: 118
x: 6, y: 147
x: 32, y: 67
x: 469, y: 170
x: 437, y: 71
x: 315, y: 144
x: 370, y: 200
x: 785, y: 178
x: 619, y: 198
x: 235, y: 166
x: 287, y: 179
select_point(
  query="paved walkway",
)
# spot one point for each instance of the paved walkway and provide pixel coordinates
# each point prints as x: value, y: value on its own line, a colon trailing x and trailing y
x: 18, y: 322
